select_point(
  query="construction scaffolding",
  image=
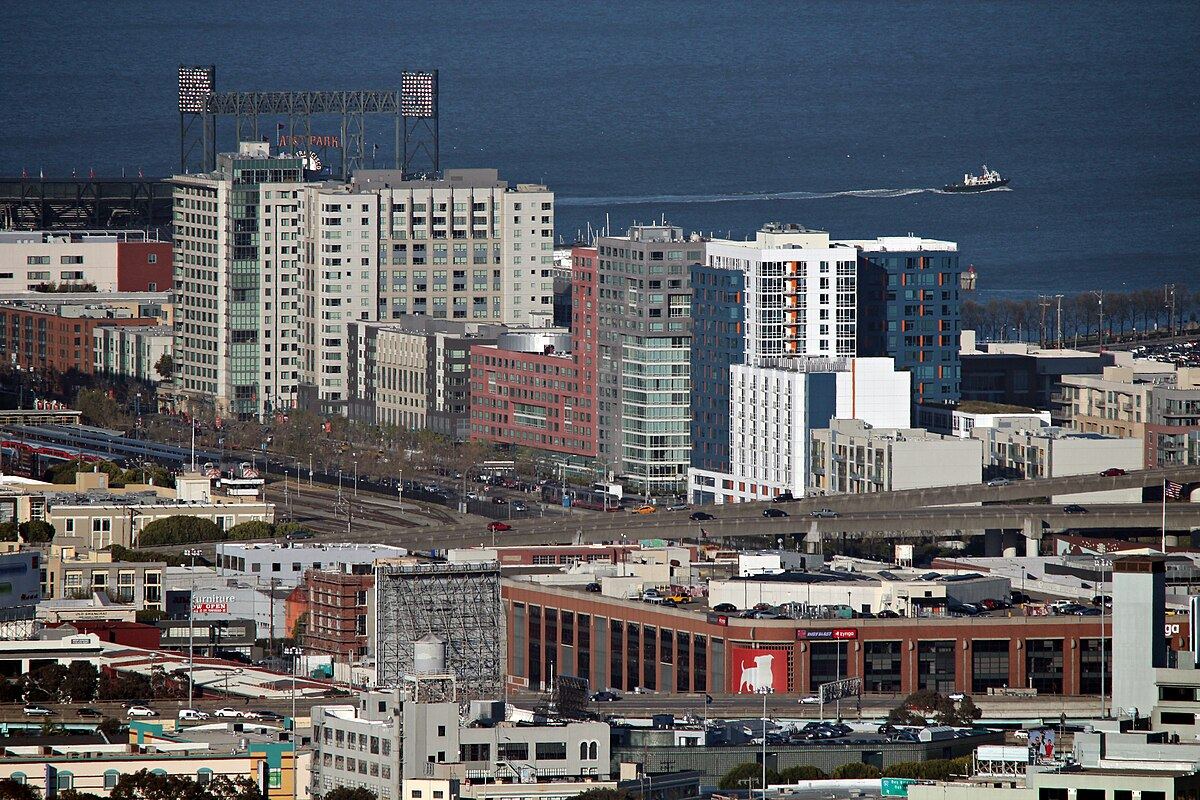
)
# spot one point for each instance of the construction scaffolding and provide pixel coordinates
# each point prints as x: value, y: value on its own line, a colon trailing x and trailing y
x: 457, y: 602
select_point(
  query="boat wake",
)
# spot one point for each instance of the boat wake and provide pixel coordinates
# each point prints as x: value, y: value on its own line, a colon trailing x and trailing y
x: 738, y: 197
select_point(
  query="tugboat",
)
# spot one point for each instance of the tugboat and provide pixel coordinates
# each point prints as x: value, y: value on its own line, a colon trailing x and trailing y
x: 990, y: 179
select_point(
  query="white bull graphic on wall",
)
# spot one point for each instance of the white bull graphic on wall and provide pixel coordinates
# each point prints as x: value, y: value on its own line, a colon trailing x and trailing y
x: 758, y: 676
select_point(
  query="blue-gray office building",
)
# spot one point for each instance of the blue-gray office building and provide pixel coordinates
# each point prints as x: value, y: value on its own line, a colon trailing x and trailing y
x: 910, y: 308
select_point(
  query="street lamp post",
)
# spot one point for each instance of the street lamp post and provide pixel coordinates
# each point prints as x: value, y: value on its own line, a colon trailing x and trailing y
x: 192, y: 554
x: 400, y: 490
x: 766, y: 690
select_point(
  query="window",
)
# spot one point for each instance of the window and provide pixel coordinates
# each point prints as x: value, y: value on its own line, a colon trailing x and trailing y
x: 550, y: 751
x: 152, y: 259
x: 112, y: 776
x: 476, y: 752
x: 441, y: 730
x: 1178, y: 718
x: 989, y: 660
x: 515, y: 751
x: 66, y: 781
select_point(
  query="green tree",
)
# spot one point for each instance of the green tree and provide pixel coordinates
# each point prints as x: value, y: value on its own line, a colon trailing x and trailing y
x: 179, y: 530
x: 98, y: 407
x: 36, y: 531
x: 71, y: 794
x: 590, y: 794
x: 146, y: 785
x: 165, y: 366
x: 80, y: 683
x: 359, y: 793
x: 251, y: 529
x: 855, y: 770
x: 747, y: 776
x: 11, y: 790
x: 65, y: 472
x: 111, y: 727
x: 801, y: 772
x: 8, y: 531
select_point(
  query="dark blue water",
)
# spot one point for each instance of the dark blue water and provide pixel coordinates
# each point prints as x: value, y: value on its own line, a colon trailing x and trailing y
x: 681, y: 109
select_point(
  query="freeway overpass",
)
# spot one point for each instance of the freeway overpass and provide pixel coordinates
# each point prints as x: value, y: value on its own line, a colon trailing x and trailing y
x: 947, y: 512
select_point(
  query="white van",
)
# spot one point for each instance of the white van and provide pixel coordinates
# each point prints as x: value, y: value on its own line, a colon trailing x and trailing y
x: 192, y: 714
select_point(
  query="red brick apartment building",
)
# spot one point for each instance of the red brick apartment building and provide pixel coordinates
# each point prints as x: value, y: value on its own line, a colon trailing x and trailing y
x: 337, y: 613
x: 36, y: 338
x: 622, y: 645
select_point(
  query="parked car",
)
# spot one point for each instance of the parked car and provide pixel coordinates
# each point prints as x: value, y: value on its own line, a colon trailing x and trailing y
x: 1113, y: 472
x: 297, y: 535
x: 605, y: 697
x: 700, y: 516
x: 141, y: 711
x: 811, y: 700
x: 774, y: 512
x: 235, y: 713
x: 998, y: 482
x: 592, y: 587
x: 37, y: 711
x: 678, y: 507
x: 678, y: 599
x: 888, y: 614
x: 500, y: 501
x: 519, y: 505
x: 266, y: 716
x: 1102, y: 600
x: 724, y: 608
x: 957, y: 697
x: 823, y: 512
x: 645, y: 510
x: 498, y: 526
x: 87, y: 712
x: 1074, y: 508
x: 192, y: 714
x: 784, y: 497
x: 962, y: 609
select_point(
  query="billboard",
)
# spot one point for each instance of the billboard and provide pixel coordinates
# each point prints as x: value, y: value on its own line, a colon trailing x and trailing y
x: 839, y: 634
x: 836, y: 690
x: 20, y: 580
x: 1041, y: 746
x: 760, y: 670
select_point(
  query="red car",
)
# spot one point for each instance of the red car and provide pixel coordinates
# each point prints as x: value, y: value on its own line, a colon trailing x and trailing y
x: 499, y: 526
x: 1113, y: 472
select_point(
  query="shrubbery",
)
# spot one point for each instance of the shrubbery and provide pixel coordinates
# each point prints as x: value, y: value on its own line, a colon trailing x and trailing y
x: 747, y: 775
x: 855, y: 770
x: 180, y: 530
x: 938, y: 769
x: 802, y: 772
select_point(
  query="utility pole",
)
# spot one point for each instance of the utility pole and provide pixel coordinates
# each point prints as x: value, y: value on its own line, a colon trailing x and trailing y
x: 1044, y: 302
x: 1059, y: 298
x: 192, y: 554
x: 1169, y: 299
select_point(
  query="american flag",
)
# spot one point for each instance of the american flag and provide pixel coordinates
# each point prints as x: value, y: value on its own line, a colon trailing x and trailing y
x: 1174, y: 490
x: 703, y: 533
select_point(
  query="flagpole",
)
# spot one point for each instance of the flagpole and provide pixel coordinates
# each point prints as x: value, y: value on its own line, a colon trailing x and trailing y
x: 1164, y: 516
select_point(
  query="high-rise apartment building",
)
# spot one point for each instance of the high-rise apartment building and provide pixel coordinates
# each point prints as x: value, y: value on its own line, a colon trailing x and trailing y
x: 644, y: 337
x: 910, y: 309
x: 270, y: 270
x: 237, y: 283
x: 787, y: 293
x: 466, y: 246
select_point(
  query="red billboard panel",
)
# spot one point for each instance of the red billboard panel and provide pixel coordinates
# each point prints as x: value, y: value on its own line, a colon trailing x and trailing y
x: 759, y: 670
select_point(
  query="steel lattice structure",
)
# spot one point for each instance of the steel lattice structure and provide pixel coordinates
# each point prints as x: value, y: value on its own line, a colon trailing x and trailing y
x: 34, y: 204
x: 413, y: 108
x: 460, y: 603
